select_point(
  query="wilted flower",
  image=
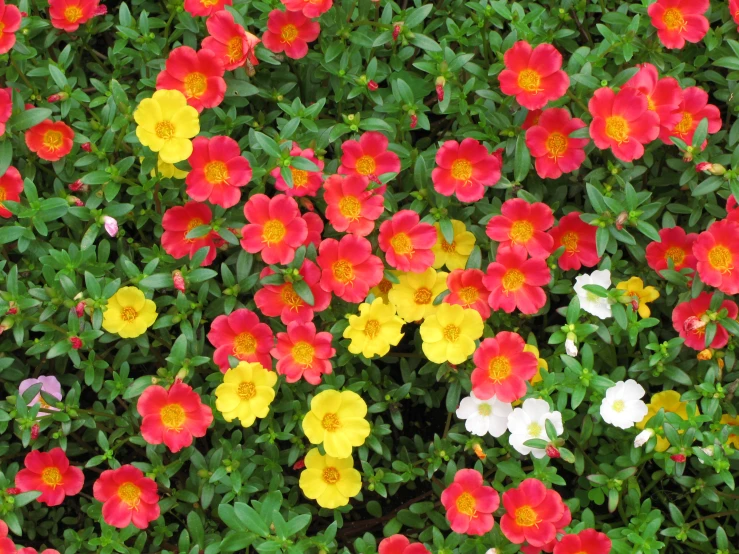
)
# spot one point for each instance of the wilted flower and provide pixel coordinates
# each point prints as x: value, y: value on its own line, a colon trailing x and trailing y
x: 111, y: 225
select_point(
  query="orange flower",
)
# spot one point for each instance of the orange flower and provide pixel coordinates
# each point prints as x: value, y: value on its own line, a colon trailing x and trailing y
x: 50, y: 140
x: 68, y: 15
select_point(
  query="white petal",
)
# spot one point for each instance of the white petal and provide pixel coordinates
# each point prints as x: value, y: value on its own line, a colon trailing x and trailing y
x: 633, y: 390
x: 556, y: 419
x: 500, y: 409
x: 497, y: 426
x: 518, y: 421
x: 535, y: 408
x: 467, y: 408
x: 517, y: 442
x: 601, y: 277
x: 477, y: 425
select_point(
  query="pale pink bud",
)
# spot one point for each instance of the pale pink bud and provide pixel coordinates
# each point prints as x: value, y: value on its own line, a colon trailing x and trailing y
x: 179, y: 280
x: 80, y: 309
x: 111, y: 225
x: 643, y: 437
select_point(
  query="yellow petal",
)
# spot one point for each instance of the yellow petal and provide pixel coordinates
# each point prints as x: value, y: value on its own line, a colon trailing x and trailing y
x: 186, y: 122
x: 332, y: 498
x: 355, y: 430
x: 350, y: 482
x: 435, y: 351
x: 148, y: 138
x: 170, y: 102
x: 148, y: 113
x: 337, y: 445
x: 312, y: 483
x: 352, y: 405
x: 313, y: 429
x: 227, y: 397
x: 175, y: 150
x: 314, y: 459
x: 326, y: 402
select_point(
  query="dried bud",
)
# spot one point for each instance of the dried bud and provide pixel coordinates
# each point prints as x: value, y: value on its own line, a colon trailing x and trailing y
x: 693, y: 324
x: 687, y: 157
x: 179, y: 280
x: 307, y: 204
x: 720, y: 363
x: 250, y: 71
x: 76, y: 342
x: 102, y: 9
x: 80, y: 309
x: 87, y: 147
x: 24, y: 14
x: 621, y: 219
x: 440, y: 82
x: 679, y: 458
x: 414, y: 121
x: 13, y: 490
x: 76, y: 186
x: 552, y: 451
x: 705, y: 355
x: 643, y: 437
x: 479, y: 451
x: 35, y: 431
x: 396, y: 31
x: 111, y: 225
x: 300, y: 464
x: 371, y: 85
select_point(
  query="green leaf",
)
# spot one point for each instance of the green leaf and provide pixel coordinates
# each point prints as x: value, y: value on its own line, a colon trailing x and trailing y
x: 447, y: 229
x: 303, y: 291
x: 6, y: 156
x: 251, y: 519
x: 28, y: 118
x: 268, y: 145
x: 522, y: 159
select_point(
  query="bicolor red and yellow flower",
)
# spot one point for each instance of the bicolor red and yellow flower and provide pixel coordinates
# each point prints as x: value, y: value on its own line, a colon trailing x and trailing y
x: 350, y: 206
x: 678, y: 21
x: 550, y: 143
x: 68, y: 15
x: 369, y: 157
x: 205, y: 8
x: 578, y: 240
x: 676, y: 248
x: 10, y: 22
x: 196, y: 74
x: 693, y: 108
x: 469, y: 504
x: 515, y: 281
x: 716, y: 252
x: 282, y: 301
x: 50, y: 140
x: 523, y: 224
x: 690, y: 320
x: 531, y: 513
x: 305, y: 182
x: 229, y: 41
x: 290, y: 32
x: 177, y: 222
x: 11, y: 186
x: 407, y: 242
x: 467, y: 289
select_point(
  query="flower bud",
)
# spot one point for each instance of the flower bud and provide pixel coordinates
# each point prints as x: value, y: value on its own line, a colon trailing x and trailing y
x: 80, y: 309
x: 76, y: 201
x: 87, y: 147
x: 643, y: 437
x: 479, y: 451
x: 621, y: 219
x: 35, y: 431
x: 414, y: 121
x: 179, y: 280
x: 77, y: 185
x: 111, y: 225
x: 703, y: 166
x: 307, y: 204
x: 13, y: 490
x: 13, y: 309
x: 300, y: 464
x: 679, y: 458
x: 76, y: 342
x: 396, y: 31
x: 102, y: 9
x: 693, y: 324
x: 372, y: 85
x: 552, y: 451
x: 705, y: 355
x: 54, y: 98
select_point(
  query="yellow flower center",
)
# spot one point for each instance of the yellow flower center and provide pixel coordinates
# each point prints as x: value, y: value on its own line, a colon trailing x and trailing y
x: 466, y: 504
x: 676, y: 254
x: 499, y: 369
x: 194, y: 222
x: 51, y: 477
x: 73, y: 14
x: 372, y: 328
x: 216, y: 172
x: 3, y: 194
x: 208, y: 3
x: 422, y: 296
x: 303, y: 353
x: 164, y: 130
x: 530, y: 81
x: 534, y: 429
x: 651, y: 106
x: 234, y: 49
x: 526, y: 516
x: 350, y: 207
x: 300, y: 177
x: 446, y: 247
x: 330, y: 422
x: 289, y: 33
x: 484, y: 409
x: 290, y: 298
x: 720, y: 258
x: 556, y: 145
x: 53, y: 140
x: 128, y: 313
x: 462, y: 170
x: 173, y: 416
x: 366, y: 165
x: 512, y: 280
x: 521, y: 231
x: 569, y: 241
x: 619, y: 406
x: 273, y: 231
x: 686, y: 123
x: 43, y: 402
x: 2, y: 26
x: 402, y: 244
x: 343, y: 271
x: 130, y: 494
x: 331, y: 475
x: 195, y: 84
x: 384, y: 286
x: 451, y: 333
x: 244, y: 344
x: 469, y: 295
x: 617, y: 128
x: 673, y: 20
x: 247, y: 390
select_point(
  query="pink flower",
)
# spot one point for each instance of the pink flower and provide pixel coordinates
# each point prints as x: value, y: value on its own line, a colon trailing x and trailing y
x: 469, y: 504
x: 407, y: 242
x: 302, y: 352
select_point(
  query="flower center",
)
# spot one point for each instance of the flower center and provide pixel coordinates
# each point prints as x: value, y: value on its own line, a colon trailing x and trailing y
x: 195, y: 84
x: 422, y: 296
x: 530, y: 81
x: 366, y: 165
x: 300, y: 177
x: 128, y: 314
x: 290, y: 298
x: 164, y: 130
x: 330, y: 422
x: 331, y: 475
x: 303, y: 353
x: 526, y: 516
x: 446, y: 247
x: 273, y: 231
x: 173, y: 416
x: 618, y: 406
x: 469, y: 295
x: 350, y: 207
x: 686, y: 123
x: 534, y: 429
x: 462, y: 170
x: 208, y: 3
x: 247, y: 390
x: 484, y: 409
x: 466, y: 504
x: 235, y: 49
x: 245, y: 344
x: 372, y: 328
x: 673, y: 20
x: 384, y: 286
x: 676, y: 254
x: 73, y: 14
x: 194, y: 222
x: 451, y: 333
x: 720, y: 258
x: 402, y: 244
x: 513, y: 279
x: 556, y: 145
x: 617, y: 128
x: 289, y: 33
x: 570, y: 240
x: 499, y: 369
x: 343, y: 271
x: 651, y: 106
x: 3, y: 194
x: 53, y: 140
x: 521, y: 231
x: 51, y: 477
x: 130, y: 494
x: 216, y: 172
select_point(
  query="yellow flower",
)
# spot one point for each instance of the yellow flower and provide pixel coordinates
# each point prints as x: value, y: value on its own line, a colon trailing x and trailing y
x: 449, y: 334
x: 542, y: 365
x: 374, y: 330
x: 640, y: 294
x: 733, y: 440
x: 337, y: 419
x: 382, y: 289
x: 129, y: 313
x: 170, y: 171
x: 668, y: 400
x: 454, y: 255
x: 329, y: 481
x: 165, y: 123
x: 414, y: 295
x: 246, y: 392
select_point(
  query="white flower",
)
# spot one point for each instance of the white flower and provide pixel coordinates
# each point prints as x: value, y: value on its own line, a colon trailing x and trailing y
x: 529, y: 422
x: 571, y: 347
x: 599, y: 307
x: 643, y: 437
x: 111, y: 225
x: 484, y: 416
x: 623, y: 406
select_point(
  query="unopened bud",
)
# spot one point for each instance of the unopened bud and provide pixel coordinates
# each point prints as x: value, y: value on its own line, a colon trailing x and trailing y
x: 371, y: 85
x: 79, y: 309
x: 307, y: 204
x: 179, y: 280
x: 621, y: 219
x: 440, y: 82
x: 643, y: 437
x: 570, y: 346
x: 87, y: 147
x: 705, y: 355
x: 76, y: 186
x: 414, y: 121
x: 479, y: 452
x: 76, y: 342
x: 300, y: 464
x: 12, y: 310
x: 679, y: 458
x: 24, y: 14
x: 703, y: 166
x: 102, y: 9
x: 396, y: 31
x: 552, y: 451
x: 54, y: 98
x: 111, y: 225
x: 76, y: 201
x: 35, y: 431
x: 250, y: 71
x: 13, y: 490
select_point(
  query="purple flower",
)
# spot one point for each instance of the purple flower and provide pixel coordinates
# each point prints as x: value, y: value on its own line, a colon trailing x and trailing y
x: 49, y: 385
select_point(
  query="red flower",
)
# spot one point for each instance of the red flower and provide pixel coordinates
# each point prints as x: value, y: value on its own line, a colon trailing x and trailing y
x: 466, y: 288
x: 301, y: 352
x: 560, y: 525
x: 11, y: 186
x: 531, y: 513
x: 678, y: 21
x: 349, y: 269
x: 550, y: 143
x: 314, y: 224
x: 282, y: 300
x: 693, y: 108
x: 523, y: 224
x: 31, y: 550
x: 10, y: 22
x: 51, y: 474
x: 305, y: 183
x: 50, y: 140
x: 290, y: 32
x: 275, y: 228
x: 465, y: 168
x: 717, y: 253
x: 578, y: 238
x: 218, y: 170
x: 533, y: 75
x: 469, y: 504
x: 173, y: 416
x: 68, y: 15
x: 622, y: 122
x: 241, y: 335
x: 205, y: 7
x: 587, y: 541
x: 676, y: 245
x: 369, y: 157
x: 407, y: 243
x: 732, y: 209
x: 127, y: 497
x: 663, y: 95
x: 502, y: 368
x: 6, y: 544
x: 6, y: 100
x: 532, y: 118
x: 687, y: 319
x: 733, y: 9
x: 350, y: 207
x: 197, y: 75
x: 515, y: 281
x: 229, y: 41
x: 310, y: 8
x: 399, y: 544
x: 178, y: 222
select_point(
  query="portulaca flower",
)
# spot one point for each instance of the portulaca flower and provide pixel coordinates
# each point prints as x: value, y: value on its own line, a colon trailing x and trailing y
x: 484, y: 416
x: 643, y: 437
x: 529, y: 422
x: 599, y: 307
x: 623, y: 405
